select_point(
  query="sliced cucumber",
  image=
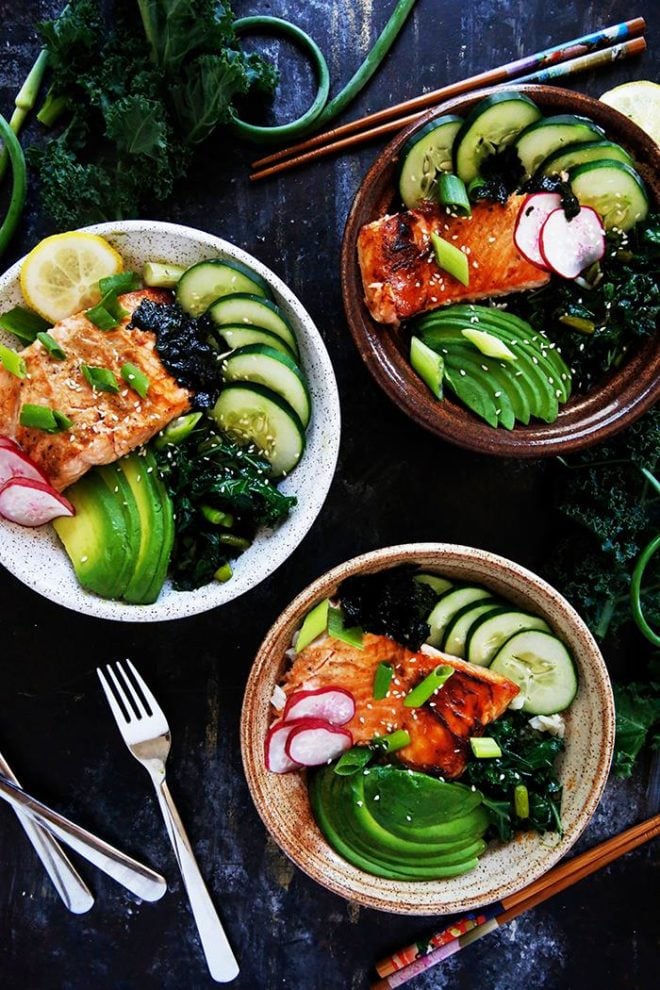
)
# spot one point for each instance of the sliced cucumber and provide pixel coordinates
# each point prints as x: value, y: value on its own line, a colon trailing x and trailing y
x: 439, y: 584
x: 207, y: 281
x: 543, y: 669
x: 493, y: 124
x: 257, y: 415
x: 241, y: 335
x: 453, y: 641
x: 448, y: 605
x: 546, y: 136
x: 490, y: 631
x: 254, y: 311
x: 160, y: 276
x: 571, y: 155
x: 424, y: 156
x: 428, y: 364
x: 613, y: 189
x: 268, y: 366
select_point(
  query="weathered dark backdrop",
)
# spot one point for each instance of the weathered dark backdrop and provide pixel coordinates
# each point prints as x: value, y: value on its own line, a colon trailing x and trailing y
x: 393, y: 484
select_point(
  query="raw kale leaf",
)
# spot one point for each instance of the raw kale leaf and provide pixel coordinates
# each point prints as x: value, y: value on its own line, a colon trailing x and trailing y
x: 637, y: 721
x: 211, y: 470
x: 390, y: 603
x: 528, y: 757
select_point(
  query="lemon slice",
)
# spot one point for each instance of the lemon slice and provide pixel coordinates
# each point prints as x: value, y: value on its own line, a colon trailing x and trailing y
x: 59, y: 277
x: 640, y: 101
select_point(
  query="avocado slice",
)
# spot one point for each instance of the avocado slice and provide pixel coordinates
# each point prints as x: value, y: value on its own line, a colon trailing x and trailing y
x: 472, y: 364
x: 155, y: 527
x: 95, y: 539
x: 115, y: 482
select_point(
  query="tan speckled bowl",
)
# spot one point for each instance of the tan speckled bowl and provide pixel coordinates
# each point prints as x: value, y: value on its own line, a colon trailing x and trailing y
x: 282, y: 800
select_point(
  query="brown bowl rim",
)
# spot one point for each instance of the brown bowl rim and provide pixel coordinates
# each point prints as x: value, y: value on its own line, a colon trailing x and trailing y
x: 277, y: 640
x: 620, y: 399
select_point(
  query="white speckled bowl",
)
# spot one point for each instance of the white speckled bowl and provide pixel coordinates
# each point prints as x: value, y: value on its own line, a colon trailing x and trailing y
x: 282, y: 800
x: 36, y: 557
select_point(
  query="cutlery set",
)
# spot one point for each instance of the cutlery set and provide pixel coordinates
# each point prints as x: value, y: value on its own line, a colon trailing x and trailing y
x: 145, y: 731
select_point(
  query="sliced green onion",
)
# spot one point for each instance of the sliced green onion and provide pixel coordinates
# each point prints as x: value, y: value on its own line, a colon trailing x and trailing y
x: 120, y: 283
x: 421, y: 693
x: 43, y: 418
x: 135, y: 379
x: 158, y: 276
x: 453, y: 194
x: 216, y: 517
x: 382, y: 680
x: 450, y: 259
x: 223, y: 573
x: 23, y: 323
x: 485, y: 747
x: 314, y: 624
x: 231, y: 540
x: 353, y: 760
x: 19, y: 184
x: 392, y: 743
x: 521, y: 801
x: 101, y: 379
x: 474, y: 188
x: 101, y: 317
x: 338, y: 630
x: 636, y: 591
x: 12, y: 362
x: 178, y: 430
x: 488, y: 344
x: 51, y: 346
x: 578, y: 323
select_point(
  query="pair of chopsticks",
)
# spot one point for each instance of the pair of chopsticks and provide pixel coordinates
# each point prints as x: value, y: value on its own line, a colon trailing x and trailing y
x: 591, y: 51
x: 397, y: 969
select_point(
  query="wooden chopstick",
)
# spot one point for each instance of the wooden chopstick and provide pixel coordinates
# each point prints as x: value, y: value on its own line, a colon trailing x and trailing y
x: 511, y: 907
x: 329, y: 143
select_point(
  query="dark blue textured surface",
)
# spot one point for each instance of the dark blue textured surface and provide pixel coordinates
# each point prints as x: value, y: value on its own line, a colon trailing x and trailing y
x: 394, y: 484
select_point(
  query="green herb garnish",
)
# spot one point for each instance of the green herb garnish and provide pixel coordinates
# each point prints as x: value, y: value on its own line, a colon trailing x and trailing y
x: 382, y: 680
x: 42, y: 418
x: 12, y: 362
x: 135, y: 379
x: 51, y: 346
x: 101, y: 379
x: 421, y: 693
x: 23, y: 323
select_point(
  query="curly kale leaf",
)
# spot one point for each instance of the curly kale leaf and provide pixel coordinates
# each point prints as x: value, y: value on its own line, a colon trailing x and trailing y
x: 637, y: 721
x: 391, y: 603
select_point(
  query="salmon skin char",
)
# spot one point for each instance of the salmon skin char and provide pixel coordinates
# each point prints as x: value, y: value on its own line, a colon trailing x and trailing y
x: 106, y: 425
x: 439, y: 731
x: 401, y: 278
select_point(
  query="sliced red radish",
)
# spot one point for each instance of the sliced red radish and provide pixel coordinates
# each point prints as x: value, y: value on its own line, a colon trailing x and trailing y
x: 570, y: 246
x: 316, y: 742
x: 14, y: 464
x: 533, y: 213
x: 332, y: 704
x: 32, y: 503
x: 276, y: 737
x: 8, y: 442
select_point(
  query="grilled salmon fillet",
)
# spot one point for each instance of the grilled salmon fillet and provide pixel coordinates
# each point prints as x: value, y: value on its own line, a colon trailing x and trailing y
x: 440, y: 730
x: 402, y: 279
x: 106, y: 425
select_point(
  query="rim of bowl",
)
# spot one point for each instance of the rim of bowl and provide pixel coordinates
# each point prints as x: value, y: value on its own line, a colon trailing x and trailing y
x: 213, y: 595
x: 615, y: 403
x: 271, y: 653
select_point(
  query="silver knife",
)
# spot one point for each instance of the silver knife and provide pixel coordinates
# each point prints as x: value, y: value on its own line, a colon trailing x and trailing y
x: 66, y: 879
x: 140, y: 880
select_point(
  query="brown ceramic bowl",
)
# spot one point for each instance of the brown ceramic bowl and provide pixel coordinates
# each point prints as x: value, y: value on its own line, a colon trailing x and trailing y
x: 282, y: 800
x: 586, y: 419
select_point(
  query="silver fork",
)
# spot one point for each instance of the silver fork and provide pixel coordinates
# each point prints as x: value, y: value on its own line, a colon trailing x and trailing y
x: 145, y: 731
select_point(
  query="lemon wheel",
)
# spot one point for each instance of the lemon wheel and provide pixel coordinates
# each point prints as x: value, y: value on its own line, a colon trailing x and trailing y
x: 640, y: 101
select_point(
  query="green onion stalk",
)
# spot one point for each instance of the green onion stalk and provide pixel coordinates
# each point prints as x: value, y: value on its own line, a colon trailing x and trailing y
x: 19, y: 186
x: 24, y: 103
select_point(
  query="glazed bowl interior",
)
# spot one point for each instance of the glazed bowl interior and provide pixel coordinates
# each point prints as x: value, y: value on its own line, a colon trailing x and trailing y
x: 282, y: 799
x: 36, y: 557
x: 586, y: 419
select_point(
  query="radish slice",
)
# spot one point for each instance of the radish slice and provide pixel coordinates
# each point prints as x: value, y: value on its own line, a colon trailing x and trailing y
x: 276, y: 737
x: 8, y: 442
x: 32, y: 503
x: 14, y: 464
x: 533, y: 213
x: 334, y: 705
x: 570, y: 246
x: 316, y: 742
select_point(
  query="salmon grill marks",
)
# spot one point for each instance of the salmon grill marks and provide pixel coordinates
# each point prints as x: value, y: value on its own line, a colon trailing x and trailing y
x: 440, y: 730
x: 401, y: 278
x: 105, y: 425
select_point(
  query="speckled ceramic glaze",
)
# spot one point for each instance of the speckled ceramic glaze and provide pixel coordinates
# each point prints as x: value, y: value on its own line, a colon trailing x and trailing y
x: 36, y: 557
x: 617, y: 401
x: 282, y: 800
